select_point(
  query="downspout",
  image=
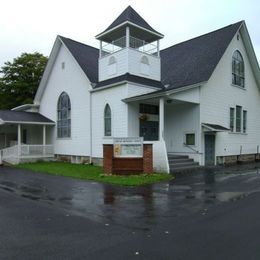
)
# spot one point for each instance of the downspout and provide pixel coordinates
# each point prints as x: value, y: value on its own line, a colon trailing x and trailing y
x: 90, y: 123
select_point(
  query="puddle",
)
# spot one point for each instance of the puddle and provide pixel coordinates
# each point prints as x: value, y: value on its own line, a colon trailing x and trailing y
x: 28, y: 196
x: 230, y: 196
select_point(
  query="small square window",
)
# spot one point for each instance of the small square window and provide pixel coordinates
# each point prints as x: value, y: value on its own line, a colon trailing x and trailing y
x: 63, y: 65
x: 190, y: 139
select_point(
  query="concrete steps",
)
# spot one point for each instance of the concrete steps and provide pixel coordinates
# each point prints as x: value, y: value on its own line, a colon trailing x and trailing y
x: 181, y: 163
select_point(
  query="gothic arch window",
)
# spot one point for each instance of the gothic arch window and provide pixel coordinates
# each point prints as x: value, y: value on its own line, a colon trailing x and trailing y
x: 64, y: 116
x: 107, y: 121
x: 238, y: 69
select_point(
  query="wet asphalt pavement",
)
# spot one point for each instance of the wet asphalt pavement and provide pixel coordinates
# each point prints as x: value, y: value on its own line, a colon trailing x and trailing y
x: 214, y: 214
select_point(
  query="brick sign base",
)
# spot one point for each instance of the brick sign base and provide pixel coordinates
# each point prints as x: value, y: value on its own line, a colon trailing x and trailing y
x: 127, y: 165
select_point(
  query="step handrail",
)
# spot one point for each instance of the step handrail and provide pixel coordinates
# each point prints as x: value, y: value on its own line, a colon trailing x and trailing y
x: 188, y: 146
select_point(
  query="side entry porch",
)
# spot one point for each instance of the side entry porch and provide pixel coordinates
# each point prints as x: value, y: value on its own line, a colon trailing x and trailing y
x: 25, y: 137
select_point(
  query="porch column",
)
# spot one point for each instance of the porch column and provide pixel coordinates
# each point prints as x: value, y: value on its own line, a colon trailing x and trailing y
x: 100, y: 49
x: 161, y: 119
x: 158, y: 48
x: 127, y: 37
x: 19, y: 140
x: 44, y: 139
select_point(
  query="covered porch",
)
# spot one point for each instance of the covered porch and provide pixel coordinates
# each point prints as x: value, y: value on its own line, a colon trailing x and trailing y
x: 25, y: 137
x: 171, y: 121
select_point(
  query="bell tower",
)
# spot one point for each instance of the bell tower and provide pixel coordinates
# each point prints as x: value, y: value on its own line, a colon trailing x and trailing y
x: 129, y: 45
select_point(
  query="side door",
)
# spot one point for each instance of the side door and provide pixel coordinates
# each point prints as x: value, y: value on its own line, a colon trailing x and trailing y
x: 209, y: 149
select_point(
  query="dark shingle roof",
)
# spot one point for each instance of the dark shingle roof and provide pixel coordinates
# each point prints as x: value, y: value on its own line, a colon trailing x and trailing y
x: 86, y: 56
x: 183, y: 64
x: 129, y: 14
x: 130, y: 78
x: 216, y: 127
x: 194, y: 61
x: 21, y: 116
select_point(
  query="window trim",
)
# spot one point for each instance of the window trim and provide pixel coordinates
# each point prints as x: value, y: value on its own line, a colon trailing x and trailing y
x: 107, y: 106
x: 232, y: 128
x: 185, y: 138
x: 244, y: 122
x: 60, y: 109
x: 235, y: 75
x: 240, y: 119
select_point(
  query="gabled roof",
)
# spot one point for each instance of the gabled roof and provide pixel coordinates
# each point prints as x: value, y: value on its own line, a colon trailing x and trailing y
x: 85, y: 55
x: 194, y: 61
x: 130, y: 15
x: 9, y: 116
x: 184, y: 64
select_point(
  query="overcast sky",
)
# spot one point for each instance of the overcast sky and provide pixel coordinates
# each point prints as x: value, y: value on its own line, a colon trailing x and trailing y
x: 32, y: 25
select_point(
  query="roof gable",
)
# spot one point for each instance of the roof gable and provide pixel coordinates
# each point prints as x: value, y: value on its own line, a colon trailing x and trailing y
x: 85, y: 55
x: 194, y: 61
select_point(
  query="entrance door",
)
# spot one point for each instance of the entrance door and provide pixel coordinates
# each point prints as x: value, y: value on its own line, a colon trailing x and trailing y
x: 149, y: 130
x: 209, y: 149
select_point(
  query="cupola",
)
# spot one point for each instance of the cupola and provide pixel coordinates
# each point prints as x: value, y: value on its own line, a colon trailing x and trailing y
x: 129, y: 45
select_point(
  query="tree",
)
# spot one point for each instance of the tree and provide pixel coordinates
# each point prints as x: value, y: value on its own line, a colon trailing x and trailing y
x: 20, y: 79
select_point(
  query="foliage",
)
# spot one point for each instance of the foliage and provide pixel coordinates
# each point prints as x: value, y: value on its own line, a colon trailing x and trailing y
x: 20, y: 79
x: 90, y: 172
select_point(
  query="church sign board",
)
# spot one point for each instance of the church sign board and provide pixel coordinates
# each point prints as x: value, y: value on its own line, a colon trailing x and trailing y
x: 128, y: 147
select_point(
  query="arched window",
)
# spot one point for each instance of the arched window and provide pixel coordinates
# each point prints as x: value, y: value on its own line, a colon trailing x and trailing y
x: 144, y: 60
x: 145, y: 65
x: 64, y: 120
x: 112, y: 66
x: 112, y: 60
x: 238, y: 69
x: 107, y: 121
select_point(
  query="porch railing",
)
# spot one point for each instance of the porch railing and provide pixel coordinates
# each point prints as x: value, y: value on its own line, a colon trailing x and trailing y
x: 14, y: 154
x: 33, y: 151
x: 10, y: 154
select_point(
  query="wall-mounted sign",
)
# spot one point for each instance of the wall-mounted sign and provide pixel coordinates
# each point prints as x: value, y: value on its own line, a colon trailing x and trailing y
x: 128, y: 147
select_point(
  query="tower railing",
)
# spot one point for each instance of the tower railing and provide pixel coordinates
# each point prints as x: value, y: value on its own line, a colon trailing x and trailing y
x: 134, y: 43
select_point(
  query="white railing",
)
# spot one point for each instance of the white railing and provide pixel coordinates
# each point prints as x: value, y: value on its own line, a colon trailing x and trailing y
x: 134, y: 43
x: 36, y: 151
x: 10, y: 154
x: 15, y: 153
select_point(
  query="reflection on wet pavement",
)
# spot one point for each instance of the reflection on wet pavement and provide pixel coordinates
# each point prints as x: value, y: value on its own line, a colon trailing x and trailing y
x: 138, y: 207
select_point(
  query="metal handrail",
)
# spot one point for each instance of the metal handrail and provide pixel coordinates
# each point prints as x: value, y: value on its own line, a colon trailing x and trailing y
x: 188, y: 146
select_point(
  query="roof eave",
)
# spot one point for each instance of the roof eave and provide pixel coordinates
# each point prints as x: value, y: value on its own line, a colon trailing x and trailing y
x: 162, y: 93
x: 26, y: 122
x: 250, y: 52
x: 24, y: 107
x: 99, y: 36
x: 47, y: 70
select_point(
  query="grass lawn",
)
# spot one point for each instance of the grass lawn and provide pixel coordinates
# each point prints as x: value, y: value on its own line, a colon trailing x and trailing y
x: 90, y: 172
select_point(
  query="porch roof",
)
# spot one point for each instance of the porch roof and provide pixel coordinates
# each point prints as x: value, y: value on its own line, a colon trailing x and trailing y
x: 21, y: 117
x: 215, y: 128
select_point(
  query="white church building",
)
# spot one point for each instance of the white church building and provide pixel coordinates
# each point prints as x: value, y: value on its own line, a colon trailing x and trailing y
x: 197, y: 102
